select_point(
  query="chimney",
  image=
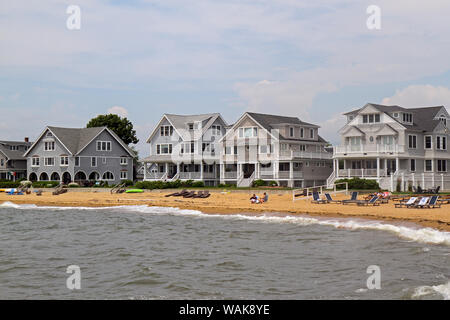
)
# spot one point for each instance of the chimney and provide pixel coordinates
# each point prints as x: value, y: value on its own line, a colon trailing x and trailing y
x: 27, y: 139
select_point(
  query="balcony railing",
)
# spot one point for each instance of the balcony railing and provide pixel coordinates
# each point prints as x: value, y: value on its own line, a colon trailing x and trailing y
x: 230, y: 175
x: 155, y: 175
x: 344, y: 173
x: 374, y: 148
x: 189, y: 175
x: 306, y: 154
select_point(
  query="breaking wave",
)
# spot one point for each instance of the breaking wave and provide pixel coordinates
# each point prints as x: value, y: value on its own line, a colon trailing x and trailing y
x: 422, y: 235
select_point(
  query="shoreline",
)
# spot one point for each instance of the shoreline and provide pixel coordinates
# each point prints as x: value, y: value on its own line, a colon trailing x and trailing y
x: 238, y: 203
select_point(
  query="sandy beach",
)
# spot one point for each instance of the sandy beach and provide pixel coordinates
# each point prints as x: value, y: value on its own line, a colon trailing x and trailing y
x: 228, y: 203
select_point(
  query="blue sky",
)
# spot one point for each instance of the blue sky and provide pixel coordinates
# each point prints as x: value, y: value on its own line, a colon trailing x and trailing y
x: 311, y: 59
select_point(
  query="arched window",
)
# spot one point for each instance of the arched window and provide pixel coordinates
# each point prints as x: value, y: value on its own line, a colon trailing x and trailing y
x: 108, y: 176
x: 43, y: 176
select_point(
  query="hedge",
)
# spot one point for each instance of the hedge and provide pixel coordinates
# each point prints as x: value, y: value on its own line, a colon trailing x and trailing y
x: 264, y: 183
x: 9, y: 184
x: 45, y: 184
x: 359, y: 184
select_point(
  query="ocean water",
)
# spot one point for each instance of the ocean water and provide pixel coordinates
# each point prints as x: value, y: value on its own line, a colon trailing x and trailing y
x: 140, y: 252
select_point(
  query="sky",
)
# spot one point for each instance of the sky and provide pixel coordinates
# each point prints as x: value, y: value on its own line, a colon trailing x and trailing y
x: 140, y: 59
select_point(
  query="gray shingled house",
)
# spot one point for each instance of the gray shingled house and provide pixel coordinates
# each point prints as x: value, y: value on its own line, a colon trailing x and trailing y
x: 79, y: 155
x: 13, y: 165
x: 395, y: 146
x: 274, y: 148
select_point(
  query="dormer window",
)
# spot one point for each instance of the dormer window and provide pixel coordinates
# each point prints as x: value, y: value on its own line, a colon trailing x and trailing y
x: 407, y: 118
x: 191, y: 126
x: 350, y: 118
x: 248, y: 132
x: 371, y: 118
x: 443, y: 119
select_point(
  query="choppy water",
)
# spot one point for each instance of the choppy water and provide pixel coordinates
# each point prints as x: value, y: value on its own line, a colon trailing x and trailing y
x: 140, y: 252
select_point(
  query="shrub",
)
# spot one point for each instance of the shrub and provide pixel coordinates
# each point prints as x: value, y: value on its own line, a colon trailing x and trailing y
x: 128, y: 182
x: 26, y: 183
x: 198, y: 184
x: 359, y: 184
x: 9, y: 184
x: 259, y: 183
x: 272, y: 183
x: 45, y: 184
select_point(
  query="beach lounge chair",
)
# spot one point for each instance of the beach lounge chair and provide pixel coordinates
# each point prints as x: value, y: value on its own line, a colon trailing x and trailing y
x: 304, y: 193
x: 407, y: 204
x: 353, y: 198
x: 177, y: 194
x: 206, y: 194
x: 190, y: 194
x: 373, y: 201
x: 422, y: 203
x: 330, y: 199
x: 316, y: 198
x: 433, y: 203
x: 198, y: 195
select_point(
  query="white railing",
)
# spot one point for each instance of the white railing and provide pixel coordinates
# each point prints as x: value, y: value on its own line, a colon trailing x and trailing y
x: 364, y: 148
x: 209, y: 175
x: 360, y: 173
x: 283, y: 174
x: 306, y: 155
x: 189, y: 175
x: 175, y: 177
x: 230, y: 174
x: 240, y: 178
x: 297, y: 174
x: 332, y: 178
x: 266, y: 174
x: 321, y: 189
x: 155, y: 175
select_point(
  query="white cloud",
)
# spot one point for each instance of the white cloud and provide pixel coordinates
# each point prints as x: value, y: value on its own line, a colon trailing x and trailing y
x: 420, y: 95
x: 120, y: 111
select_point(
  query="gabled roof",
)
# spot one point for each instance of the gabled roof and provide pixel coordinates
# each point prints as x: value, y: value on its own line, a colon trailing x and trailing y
x: 423, y: 117
x: 13, y: 154
x: 76, y: 139
x: 179, y: 123
x: 269, y: 122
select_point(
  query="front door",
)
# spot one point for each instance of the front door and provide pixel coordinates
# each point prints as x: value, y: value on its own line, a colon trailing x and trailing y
x: 248, y: 169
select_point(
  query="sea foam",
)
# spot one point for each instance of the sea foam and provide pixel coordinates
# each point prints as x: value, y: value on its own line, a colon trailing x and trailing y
x: 422, y: 235
x: 423, y: 291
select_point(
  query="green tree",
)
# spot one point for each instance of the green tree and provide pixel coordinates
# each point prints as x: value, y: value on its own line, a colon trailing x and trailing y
x: 121, y: 126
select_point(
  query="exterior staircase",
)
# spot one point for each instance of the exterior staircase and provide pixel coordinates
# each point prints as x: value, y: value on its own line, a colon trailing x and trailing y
x: 246, y: 182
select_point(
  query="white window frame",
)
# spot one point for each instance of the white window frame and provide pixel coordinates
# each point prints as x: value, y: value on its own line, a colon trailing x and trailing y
x: 35, y: 161
x: 437, y: 165
x: 253, y: 130
x: 169, y: 148
x: 96, y: 162
x: 99, y: 145
x: 425, y: 142
x: 46, y: 161
x: 414, y: 146
x: 64, y: 163
x: 442, y: 144
x: 123, y: 161
x: 216, y: 130
x: 302, y: 133
x: 122, y: 176
x: 166, y: 131
x: 47, y: 145
x: 425, y: 165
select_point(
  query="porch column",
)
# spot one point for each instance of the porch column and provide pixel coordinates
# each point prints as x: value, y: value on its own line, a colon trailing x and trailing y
x: 291, y: 170
x: 397, y: 164
x: 145, y: 171
x: 378, y: 169
x: 201, y: 170
x: 276, y: 167
x: 432, y: 180
x: 178, y: 168
x: 385, y: 166
x: 336, y: 164
x: 423, y: 180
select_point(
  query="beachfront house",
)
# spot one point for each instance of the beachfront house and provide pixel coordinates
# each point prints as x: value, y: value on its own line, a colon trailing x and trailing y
x: 79, y: 155
x: 399, y: 147
x: 13, y: 165
x: 185, y: 147
x: 274, y: 148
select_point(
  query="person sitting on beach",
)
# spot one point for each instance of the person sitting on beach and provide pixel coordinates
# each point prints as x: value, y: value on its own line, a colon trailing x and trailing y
x: 253, y: 198
x: 265, y: 198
